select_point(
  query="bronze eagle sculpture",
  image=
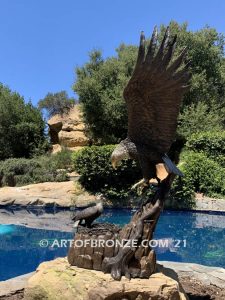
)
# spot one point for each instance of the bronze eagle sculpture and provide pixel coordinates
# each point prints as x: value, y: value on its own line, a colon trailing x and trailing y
x: 153, y: 97
x: 88, y: 215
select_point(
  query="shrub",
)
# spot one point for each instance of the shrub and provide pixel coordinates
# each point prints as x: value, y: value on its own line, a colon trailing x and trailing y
x: 203, y: 174
x: 210, y: 143
x: 12, y: 169
x: 97, y: 175
x: 21, y: 126
x: 62, y: 159
x: 21, y: 171
x: 181, y: 194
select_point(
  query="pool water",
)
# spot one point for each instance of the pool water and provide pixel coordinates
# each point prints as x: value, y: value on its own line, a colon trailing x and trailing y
x: 4, y: 229
x: 180, y: 236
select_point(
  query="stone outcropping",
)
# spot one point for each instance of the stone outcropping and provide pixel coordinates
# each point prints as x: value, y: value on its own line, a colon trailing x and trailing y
x: 68, y: 130
x: 48, y: 194
x: 65, y: 194
x: 214, y: 276
x: 198, y: 282
x: 204, y: 203
x: 58, y: 280
x: 38, y: 218
x: 12, y: 289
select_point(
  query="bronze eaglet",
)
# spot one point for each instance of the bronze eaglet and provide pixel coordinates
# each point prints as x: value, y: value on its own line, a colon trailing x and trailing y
x: 153, y: 97
x: 87, y: 215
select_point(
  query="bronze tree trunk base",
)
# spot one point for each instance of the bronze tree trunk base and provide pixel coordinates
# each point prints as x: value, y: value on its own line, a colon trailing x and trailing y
x: 133, y: 257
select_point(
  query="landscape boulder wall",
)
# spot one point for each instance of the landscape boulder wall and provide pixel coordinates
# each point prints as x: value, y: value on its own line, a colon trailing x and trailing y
x: 68, y: 130
x: 57, y: 280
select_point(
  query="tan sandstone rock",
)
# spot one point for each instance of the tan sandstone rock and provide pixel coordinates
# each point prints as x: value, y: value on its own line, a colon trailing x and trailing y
x: 72, y: 138
x: 68, y: 130
x: 12, y: 289
x: 47, y: 194
x: 40, y: 194
x: 57, y: 280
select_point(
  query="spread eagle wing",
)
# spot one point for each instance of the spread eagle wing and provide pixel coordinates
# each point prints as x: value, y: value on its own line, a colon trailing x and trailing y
x: 154, y: 93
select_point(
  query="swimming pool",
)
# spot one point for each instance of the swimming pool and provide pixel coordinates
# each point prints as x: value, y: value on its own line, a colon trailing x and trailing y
x: 181, y: 236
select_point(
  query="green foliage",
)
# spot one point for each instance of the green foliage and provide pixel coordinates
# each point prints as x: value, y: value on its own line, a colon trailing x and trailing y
x: 206, y: 53
x: 100, y: 86
x: 97, y: 175
x: 203, y: 174
x: 21, y: 171
x: 198, y: 118
x: 181, y: 194
x: 21, y: 126
x: 211, y: 143
x: 100, y: 83
x: 56, y: 103
x: 62, y: 159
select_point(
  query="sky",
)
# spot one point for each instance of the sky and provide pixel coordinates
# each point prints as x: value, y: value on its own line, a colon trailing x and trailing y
x: 42, y: 41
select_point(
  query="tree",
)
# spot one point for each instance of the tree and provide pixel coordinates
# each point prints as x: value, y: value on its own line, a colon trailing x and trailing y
x: 206, y: 53
x: 100, y: 82
x: 100, y: 86
x: 197, y: 117
x: 56, y: 103
x: 21, y: 126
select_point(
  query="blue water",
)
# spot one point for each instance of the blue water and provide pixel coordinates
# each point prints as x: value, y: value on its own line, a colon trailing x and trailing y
x: 4, y: 229
x: 191, y: 237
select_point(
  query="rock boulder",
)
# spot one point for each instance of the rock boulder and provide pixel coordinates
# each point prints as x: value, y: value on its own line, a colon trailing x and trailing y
x: 58, y: 280
x: 48, y: 194
x: 68, y: 130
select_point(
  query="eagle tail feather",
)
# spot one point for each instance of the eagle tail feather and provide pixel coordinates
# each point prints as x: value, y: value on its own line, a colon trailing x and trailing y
x: 171, y: 167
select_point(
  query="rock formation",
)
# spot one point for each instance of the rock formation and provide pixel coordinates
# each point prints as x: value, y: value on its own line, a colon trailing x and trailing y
x: 47, y: 194
x: 58, y: 280
x: 68, y: 130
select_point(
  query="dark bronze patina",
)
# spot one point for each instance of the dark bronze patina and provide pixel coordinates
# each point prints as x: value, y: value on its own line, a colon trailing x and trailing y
x: 153, y: 96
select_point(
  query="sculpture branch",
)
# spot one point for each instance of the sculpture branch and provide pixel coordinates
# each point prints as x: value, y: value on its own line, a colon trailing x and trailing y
x: 133, y: 259
x: 153, y: 97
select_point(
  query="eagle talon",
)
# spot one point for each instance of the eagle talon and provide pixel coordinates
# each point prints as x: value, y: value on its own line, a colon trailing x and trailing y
x: 140, y: 186
x: 152, y: 121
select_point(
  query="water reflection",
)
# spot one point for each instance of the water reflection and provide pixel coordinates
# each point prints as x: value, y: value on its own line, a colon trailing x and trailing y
x: 204, y: 235
x: 21, y: 252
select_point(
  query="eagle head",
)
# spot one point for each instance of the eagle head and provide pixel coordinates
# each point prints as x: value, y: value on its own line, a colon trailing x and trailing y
x: 99, y: 207
x: 119, y: 153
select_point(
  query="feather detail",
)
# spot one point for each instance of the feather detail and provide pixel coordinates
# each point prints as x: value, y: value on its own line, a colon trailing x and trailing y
x: 171, y: 167
x: 154, y: 93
